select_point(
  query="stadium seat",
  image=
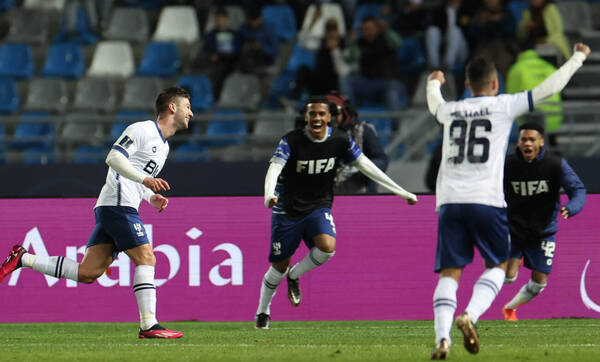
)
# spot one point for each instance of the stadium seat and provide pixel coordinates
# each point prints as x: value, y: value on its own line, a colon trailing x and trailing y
x: 9, y: 96
x: 282, y: 86
x: 2, y: 138
x: 419, y: 98
x: 383, y: 126
x: 226, y: 133
x: 576, y: 16
x: 270, y: 126
x: 82, y: 129
x: 123, y: 120
x: 160, y: 59
x: 411, y: 55
x: 237, y: 17
x: 282, y: 16
x: 23, y: 30
x: 47, y: 95
x: 145, y: 4
x: 300, y: 57
x: 364, y: 10
x: 76, y: 25
x: 200, y: 89
x: 327, y: 10
x: 89, y: 154
x: 6, y: 5
x: 16, y: 61
x: 95, y: 94
x: 516, y: 8
x: 140, y: 93
x: 64, y: 60
x: 35, y: 131
x: 240, y: 91
x: 130, y: 24
x: 112, y: 58
x: 39, y: 155
x: 177, y: 24
x: 190, y: 152
x: 56, y: 5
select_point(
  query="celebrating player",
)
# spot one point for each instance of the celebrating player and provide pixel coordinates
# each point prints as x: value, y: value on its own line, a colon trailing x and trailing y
x: 135, y: 159
x: 532, y: 181
x: 306, y: 161
x: 469, y: 192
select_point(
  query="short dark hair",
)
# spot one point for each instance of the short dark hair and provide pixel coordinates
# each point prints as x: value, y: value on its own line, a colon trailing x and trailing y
x: 167, y: 96
x: 533, y: 126
x: 479, y: 71
x: 333, y: 110
x: 221, y: 10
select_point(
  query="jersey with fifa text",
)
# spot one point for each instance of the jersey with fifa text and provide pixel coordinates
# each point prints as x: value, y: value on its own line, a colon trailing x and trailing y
x: 474, y: 147
x: 146, y: 148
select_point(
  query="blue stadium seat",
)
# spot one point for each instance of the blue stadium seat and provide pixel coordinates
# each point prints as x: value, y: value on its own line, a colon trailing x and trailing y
x: 516, y: 8
x: 411, y: 55
x: 383, y: 126
x: 190, y: 152
x: 364, y: 10
x: 76, y: 30
x: 2, y: 137
x: 16, y: 61
x: 160, y: 59
x: 300, y: 57
x: 281, y: 87
x: 226, y: 133
x: 282, y: 16
x: 89, y: 154
x: 33, y: 134
x: 200, y: 89
x: 39, y: 155
x: 64, y: 60
x: 6, y: 5
x: 9, y: 96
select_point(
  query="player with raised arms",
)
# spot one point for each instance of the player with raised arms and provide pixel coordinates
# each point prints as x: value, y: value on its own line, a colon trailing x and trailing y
x: 469, y: 188
x: 134, y: 161
x: 299, y: 189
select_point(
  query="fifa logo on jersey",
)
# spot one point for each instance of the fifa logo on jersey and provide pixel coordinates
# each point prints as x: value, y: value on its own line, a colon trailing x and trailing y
x: 138, y: 228
x: 315, y: 166
x: 530, y: 188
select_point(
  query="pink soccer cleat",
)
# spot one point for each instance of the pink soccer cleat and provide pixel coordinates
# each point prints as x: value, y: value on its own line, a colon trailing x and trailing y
x: 510, y: 314
x: 12, y: 262
x: 158, y: 331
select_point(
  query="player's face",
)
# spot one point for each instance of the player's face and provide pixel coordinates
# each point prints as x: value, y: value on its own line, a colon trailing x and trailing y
x: 530, y: 142
x: 183, y: 113
x: 317, y: 118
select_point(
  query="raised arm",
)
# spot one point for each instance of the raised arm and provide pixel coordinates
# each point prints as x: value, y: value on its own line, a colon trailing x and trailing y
x: 434, y: 91
x: 559, y: 79
x: 368, y: 168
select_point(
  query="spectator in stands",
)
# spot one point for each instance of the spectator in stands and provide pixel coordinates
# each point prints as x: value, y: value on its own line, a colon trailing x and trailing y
x: 528, y: 72
x: 490, y: 32
x: 260, y: 45
x: 349, y: 180
x: 222, y: 47
x: 408, y: 16
x: 447, y: 24
x: 374, y: 56
x: 313, y: 26
x: 542, y: 24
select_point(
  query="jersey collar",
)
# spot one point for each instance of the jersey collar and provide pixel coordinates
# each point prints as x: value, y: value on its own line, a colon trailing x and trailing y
x: 312, y: 139
x: 159, y: 131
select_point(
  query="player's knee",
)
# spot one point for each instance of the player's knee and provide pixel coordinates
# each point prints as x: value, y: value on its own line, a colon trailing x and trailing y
x: 328, y: 248
x: 146, y: 258
x: 88, y: 276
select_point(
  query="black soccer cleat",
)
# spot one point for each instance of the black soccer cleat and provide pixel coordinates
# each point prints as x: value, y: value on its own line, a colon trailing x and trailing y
x: 441, y: 350
x: 262, y: 321
x: 294, y: 294
x: 469, y: 331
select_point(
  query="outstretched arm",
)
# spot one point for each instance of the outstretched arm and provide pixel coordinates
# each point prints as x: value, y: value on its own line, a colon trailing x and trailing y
x: 270, y: 183
x: 434, y: 90
x: 118, y: 162
x: 368, y: 168
x: 559, y: 79
x: 574, y: 189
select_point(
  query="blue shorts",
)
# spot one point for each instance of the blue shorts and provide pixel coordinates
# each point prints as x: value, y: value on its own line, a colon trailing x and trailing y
x: 539, y: 256
x: 287, y: 233
x: 464, y: 226
x: 120, y: 226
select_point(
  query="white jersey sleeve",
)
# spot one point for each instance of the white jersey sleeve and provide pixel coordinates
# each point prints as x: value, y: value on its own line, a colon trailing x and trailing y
x: 475, y: 140
x: 146, y: 149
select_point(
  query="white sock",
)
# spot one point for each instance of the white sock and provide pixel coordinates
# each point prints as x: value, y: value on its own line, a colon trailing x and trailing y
x: 510, y: 280
x: 444, y: 306
x: 145, y: 293
x: 313, y: 259
x: 56, y: 266
x: 269, y: 285
x: 485, y: 291
x: 527, y: 293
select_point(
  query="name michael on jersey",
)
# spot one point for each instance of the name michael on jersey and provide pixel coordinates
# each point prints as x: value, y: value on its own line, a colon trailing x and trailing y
x: 470, y: 114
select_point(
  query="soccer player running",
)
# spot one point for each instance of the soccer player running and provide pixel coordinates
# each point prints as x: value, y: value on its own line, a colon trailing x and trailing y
x: 135, y: 159
x: 299, y: 188
x: 469, y: 189
x: 533, y: 177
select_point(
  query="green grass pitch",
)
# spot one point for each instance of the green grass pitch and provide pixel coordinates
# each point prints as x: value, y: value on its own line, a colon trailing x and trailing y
x: 561, y: 340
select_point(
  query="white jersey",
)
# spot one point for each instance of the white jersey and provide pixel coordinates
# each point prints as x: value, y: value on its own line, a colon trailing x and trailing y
x: 474, y: 147
x: 146, y: 148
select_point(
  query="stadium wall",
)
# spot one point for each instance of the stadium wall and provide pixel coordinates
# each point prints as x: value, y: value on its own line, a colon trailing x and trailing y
x: 212, y: 254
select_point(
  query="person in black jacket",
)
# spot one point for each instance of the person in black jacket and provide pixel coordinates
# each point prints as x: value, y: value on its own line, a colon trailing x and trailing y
x: 532, y: 181
x: 349, y: 180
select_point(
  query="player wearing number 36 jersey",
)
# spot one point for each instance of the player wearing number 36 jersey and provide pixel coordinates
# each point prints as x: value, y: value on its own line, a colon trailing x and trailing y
x: 469, y: 189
